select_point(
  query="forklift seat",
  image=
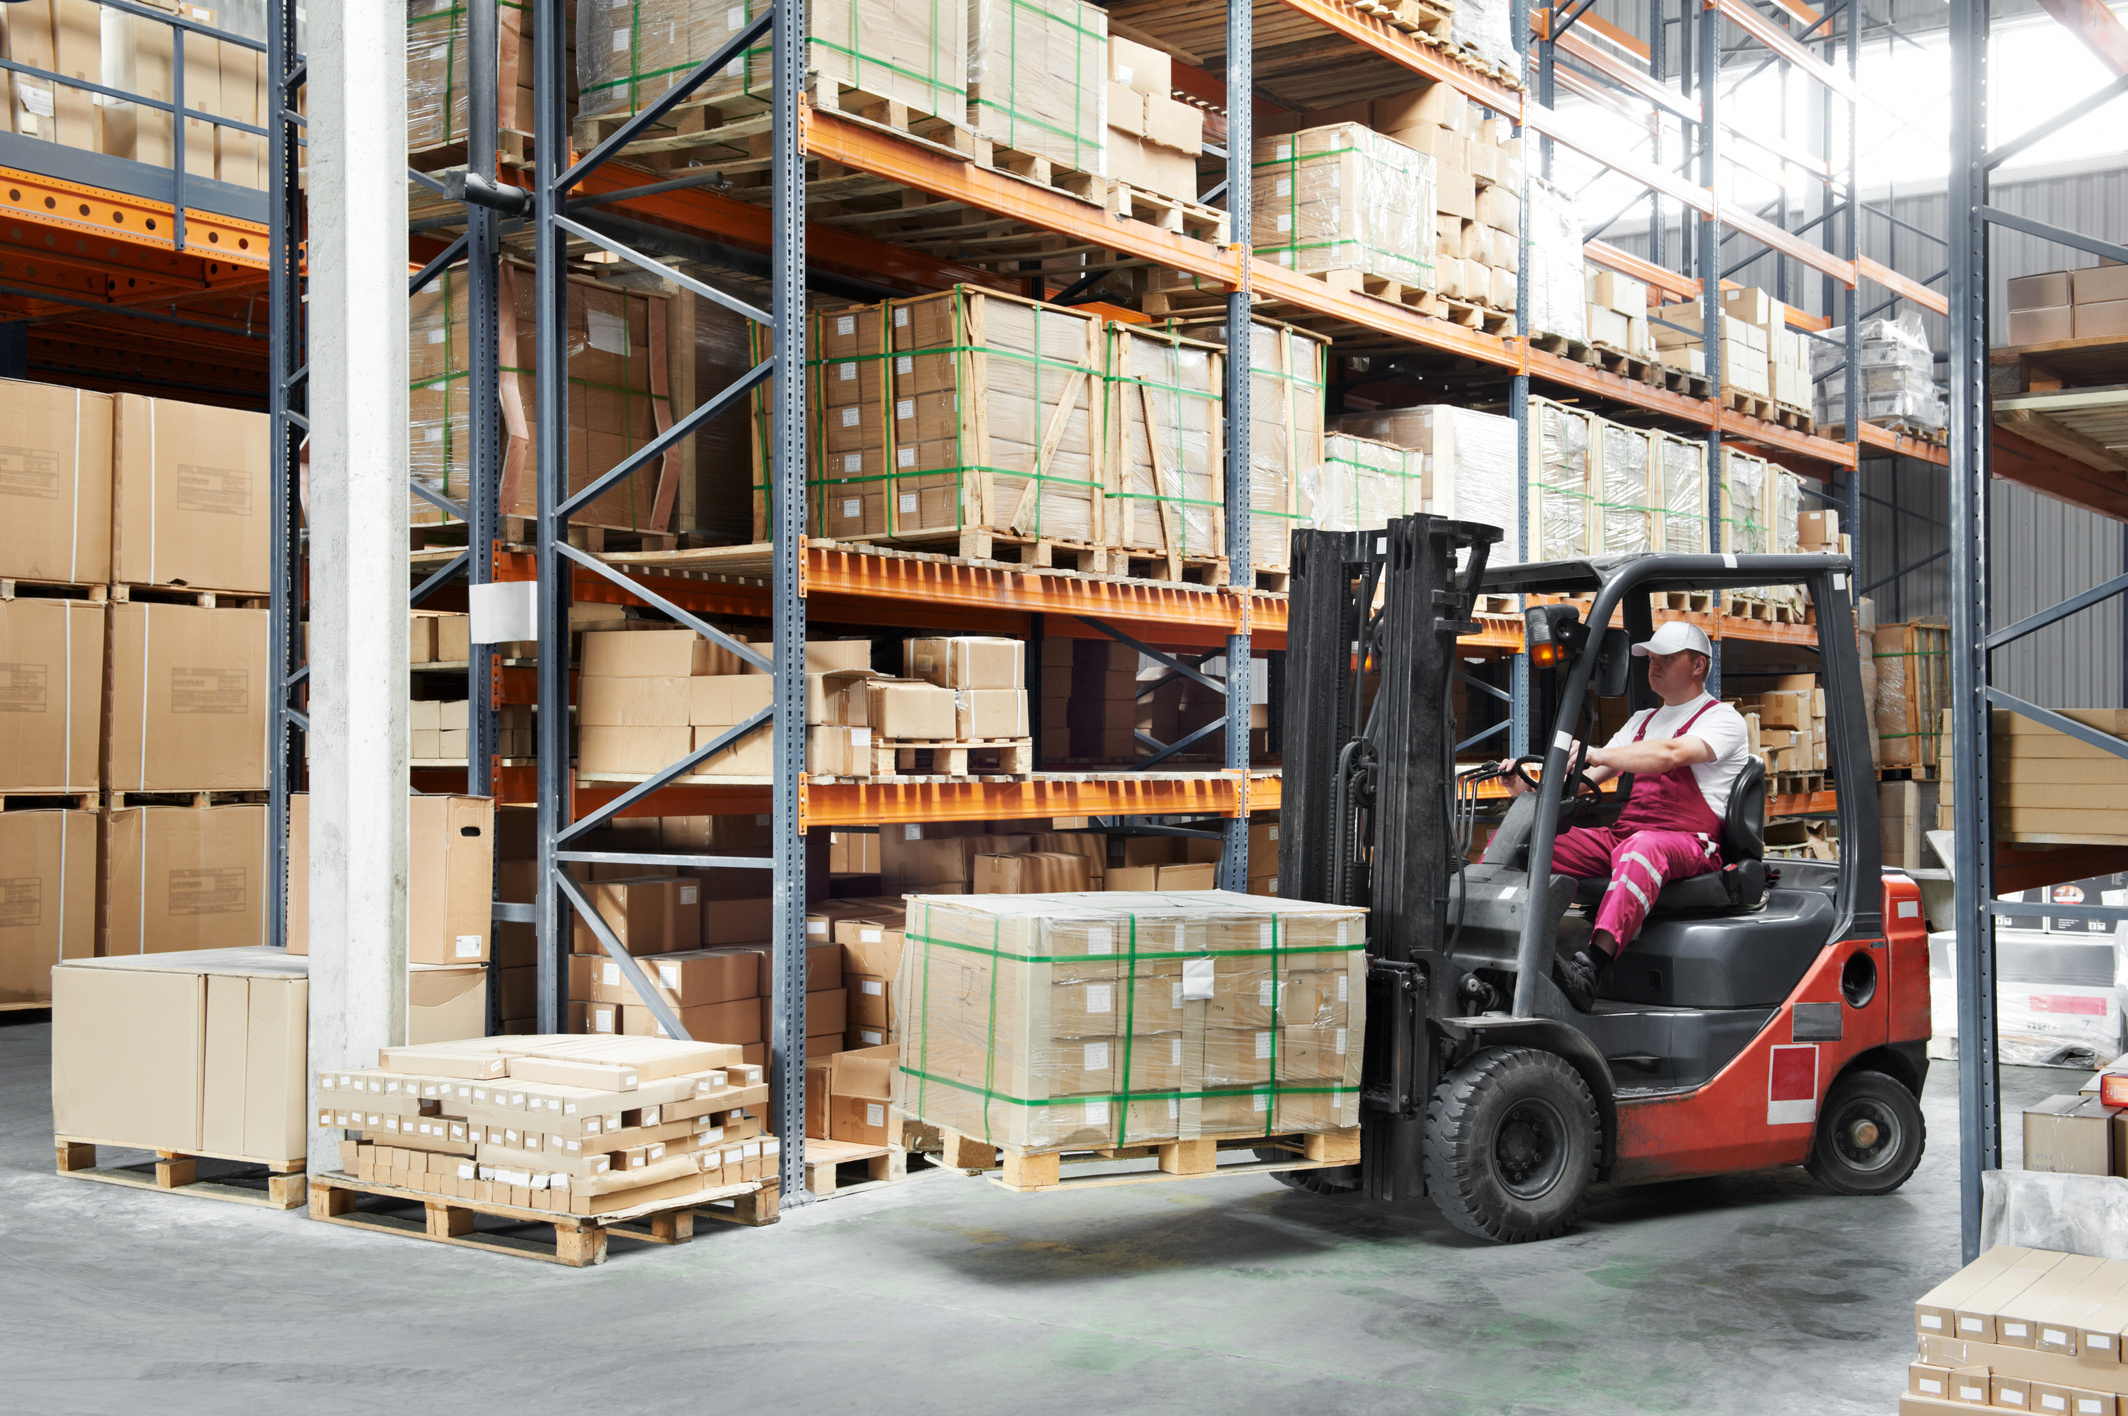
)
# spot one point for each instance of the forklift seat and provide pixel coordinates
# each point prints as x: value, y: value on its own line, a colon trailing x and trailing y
x: 1741, y: 882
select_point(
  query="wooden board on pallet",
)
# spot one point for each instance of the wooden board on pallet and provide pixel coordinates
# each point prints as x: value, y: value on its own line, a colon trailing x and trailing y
x: 1003, y: 757
x: 272, y: 1184
x: 1194, y: 1159
x: 19, y: 587
x: 883, y: 1164
x: 190, y: 595
x: 579, y: 1240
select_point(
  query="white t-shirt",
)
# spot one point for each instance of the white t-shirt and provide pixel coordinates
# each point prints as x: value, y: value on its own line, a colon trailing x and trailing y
x: 1720, y: 727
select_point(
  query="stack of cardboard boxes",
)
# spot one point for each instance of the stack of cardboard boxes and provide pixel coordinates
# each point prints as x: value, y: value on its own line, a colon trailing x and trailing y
x: 567, y: 1124
x: 1617, y: 315
x: 1089, y: 701
x: 973, y: 687
x: 1761, y: 355
x: 133, y: 694
x: 1035, y: 84
x: 2022, y: 1330
x: 1464, y: 459
x: 1788, y: 724
x: 647, y: 698
x: 2091, y: 303
x: 438, y: 68
x: 80, y: 39
x: 1153, y: 138
x: 2047, y: 784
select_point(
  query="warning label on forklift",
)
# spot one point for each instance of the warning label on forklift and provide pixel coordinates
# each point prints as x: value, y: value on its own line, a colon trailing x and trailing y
x: 1792, y: 1085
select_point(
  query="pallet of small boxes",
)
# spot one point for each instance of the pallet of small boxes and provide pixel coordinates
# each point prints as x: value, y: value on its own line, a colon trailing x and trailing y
x: 1175, y: 1025
x: 2022, y: 1330
x: 591, y: 1128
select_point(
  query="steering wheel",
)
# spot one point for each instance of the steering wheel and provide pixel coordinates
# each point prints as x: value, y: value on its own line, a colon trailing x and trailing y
x: 1580, y: 779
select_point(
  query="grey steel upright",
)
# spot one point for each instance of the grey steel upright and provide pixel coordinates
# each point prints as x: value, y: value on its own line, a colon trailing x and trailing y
x: 286, y: 403
x: 1241, y: 358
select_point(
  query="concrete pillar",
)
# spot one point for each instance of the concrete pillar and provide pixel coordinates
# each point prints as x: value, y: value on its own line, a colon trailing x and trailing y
x: 358, y: 540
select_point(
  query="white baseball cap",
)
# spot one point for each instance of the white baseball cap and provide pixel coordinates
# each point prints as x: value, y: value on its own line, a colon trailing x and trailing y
x: 1674, y: 637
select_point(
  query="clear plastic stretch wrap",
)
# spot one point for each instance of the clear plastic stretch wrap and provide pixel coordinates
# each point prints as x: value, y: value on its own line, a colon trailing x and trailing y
x: 1286, y: 372
x: 618, y: 398
x: 437, y: 67
x: 964, y: 408
x: 1069, y: 1022
x: 1745, y: 504
x: 1365, y: 483
x: 1625, y: 510
x: 1559, y: 482
x: 1558, y: 293
x: 1896, y: 372
x: 1037, y: 79
x: 1344, y: 197
x: 1465, y: 458
x: 1683, y: 525
x: 1482, y: 27
x: 1165, y: 402
x: 629, y: 52
x: 1787, y: 533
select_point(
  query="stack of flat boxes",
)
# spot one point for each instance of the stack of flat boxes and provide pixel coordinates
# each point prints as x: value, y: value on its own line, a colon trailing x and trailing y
x: 2022, y: 1330
x: 1153, y: 139
x: 1618, y: 312
x: 1787, y: 375
x: 1089, y: 701
x: 1744, y: 347
x: 566, y: 1124
x: 130, y: 695
x: 1477, y: 185
x: 1790, y: 718
x: 2091, y: 303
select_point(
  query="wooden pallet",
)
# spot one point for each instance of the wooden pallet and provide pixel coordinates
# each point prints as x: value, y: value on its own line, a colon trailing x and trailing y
x: 1495, y: 605
x: 512, y: 149
x: 1790, y: 416
x: 270, y: 1184
x: 1798, y: 783
x: 1753, y: 607
x: 1611, y: 359
x: 824, y: 1161
x: 1749, y: 404
x: 1030, y: 1174
x: 579, y: 1240
x: 1275, y: 579
x: 24, y: 587
x: 1040, y: 171
x: 1410, y: 16
x: 1483, y: 318
x: 1151, y: 564
x: 1005, y: 548
x: 1691, y: 602
x: 1908, y: 774
x: 1683, y: 381
x: 51, y: 801
x: 999, y: 757
x: 119, y: 801
x: 189, y: 595
x: 1179, y: 215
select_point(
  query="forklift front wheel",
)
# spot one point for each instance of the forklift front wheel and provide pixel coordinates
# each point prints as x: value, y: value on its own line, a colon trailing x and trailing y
x: 1870, y: 1135
x: 1511, y: 1144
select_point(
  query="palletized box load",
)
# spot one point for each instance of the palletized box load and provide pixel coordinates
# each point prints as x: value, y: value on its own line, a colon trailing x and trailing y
x: 1344, y: 197
x: 1035, y: 80
x: 1047, y: 1022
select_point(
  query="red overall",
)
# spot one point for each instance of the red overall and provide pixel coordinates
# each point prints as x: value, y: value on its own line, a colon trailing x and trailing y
x: 1667, y: 832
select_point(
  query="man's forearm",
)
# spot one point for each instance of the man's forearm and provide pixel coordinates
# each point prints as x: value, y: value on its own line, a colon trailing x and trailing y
x: 1650, y: 757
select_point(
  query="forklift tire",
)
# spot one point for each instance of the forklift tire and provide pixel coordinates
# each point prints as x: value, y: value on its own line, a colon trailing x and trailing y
x: 1335, y: 1180
x: 1870, y: 1135
x: 1512, y: 1143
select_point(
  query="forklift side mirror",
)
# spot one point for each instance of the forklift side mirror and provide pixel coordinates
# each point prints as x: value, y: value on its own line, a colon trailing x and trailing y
x: 1614, y: 663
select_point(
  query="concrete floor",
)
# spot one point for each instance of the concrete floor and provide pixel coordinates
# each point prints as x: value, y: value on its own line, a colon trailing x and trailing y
x: 1751, y: 1294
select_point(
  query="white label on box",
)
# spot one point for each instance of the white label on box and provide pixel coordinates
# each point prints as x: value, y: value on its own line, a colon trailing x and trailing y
x: 1096, y: 1057
x: 912, y: 833
x: 901, y: 318
x: 1930, y: 1320
x: 1263, y: 934
x: 606, y: 330
x: 467, y: 946
x: 1285, y: 221
x: 1344, y: 987
x: 908, y: 500
x: 1285, y: 187
x: 711, y: 1137
x: 610, y: 973
x: 2010, y: 1329
x: 1263, y: 993
x: 816, y: 926
x: 1341, y: 1042
x: 1263, y: 1045
x: 1281, y: 152
x: 435, y: 336
x: 2052, y: 1402
x: 846, y: 372
x: 2012, y: 1396
x: 850, y: 506
x: 869, y: 933
x: 2055, y: 1336
x: 1097, y: 1113
x: 904, y: 365
x: 904, y: 408
x: 1971, y: 1325
x: 1098, y: 941
x: 391, y: 1085
x: 1177, y: 1003
x: 622, y: 38
x: 735, y: 17
x: 1100, y: 998
x: 688, y: 894
x: 602, y: 1019
x: 1196, y: 980
x: 1344, y: 926
x: 853, y: 462
x: 846, y: 324
x: 2091, y: 1404
x: 325, y: 1120
x: 860, y: 737
x: 668, y: 975
x: 1930, y: 1386
x: 1174, y: 1047
x: 872, y: 987
x: 870, y: 1038
x: 1260, y: 1102
x: 850, y: 417
x: 1124, y: 73
x: 1174, y: 1108
x: 656, y: 1151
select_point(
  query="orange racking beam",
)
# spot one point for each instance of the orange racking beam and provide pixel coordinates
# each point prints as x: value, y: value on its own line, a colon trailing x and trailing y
x: 2097, y: 26
x: 1782, y: 43
x: 1911, y: 289
x: 149, y: 225
x: 1392, y: 43
x: 2016, y: 459
x: 1125, y: 793
x: 1903, y: 446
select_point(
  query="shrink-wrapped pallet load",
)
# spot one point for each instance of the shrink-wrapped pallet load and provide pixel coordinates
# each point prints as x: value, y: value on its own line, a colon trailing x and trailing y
x: 1165, y: 411
x: 1365, y: 484
x: 1557, y: 290
x: 1053, y: 1022
x: 1682, y: 492
x: 1464, y: 459
x: 438, y: 69
x: 1625, y: 508
x: 1560, y: 507
x: 1344, y: 198
x: 1036, y: 81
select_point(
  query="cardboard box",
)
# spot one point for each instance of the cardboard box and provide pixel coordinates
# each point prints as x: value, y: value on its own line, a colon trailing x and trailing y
x: 871, y: 1000
x: 1818, y: 530
x: 190, y: 493
x: 2042, y: 326
x: 1139, y: 67
x: 183, y: 878
x: 446, y: 1002
x: 737, y: 1022
x: 631, y: 751
x: 966, y: 662
x: 2070, y: 1135
x: 647, y: 701
x: 1191, y: 876
x: 47, y: 898
x: 648, y: 914
x: 908, y: 710
x: 657, y: 653
x: 184, y: 1052
x: 51, y: 694
x: 2096, y: 285
x: 1030, y: 873
x: 450, y: 878
x: 55, y: 483
x: 2038, y: 292
x: 2106, y: 320
x: 990, y: 713
x: 860, y: 1096
x: 188, y: 693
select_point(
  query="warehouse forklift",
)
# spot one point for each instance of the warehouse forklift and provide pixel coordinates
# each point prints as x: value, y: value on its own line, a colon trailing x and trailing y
x: 1771, y: 1014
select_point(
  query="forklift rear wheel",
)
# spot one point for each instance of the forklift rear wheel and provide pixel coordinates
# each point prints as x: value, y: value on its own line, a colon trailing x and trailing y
x: 1512, y: 1138
x: 1335, y: 1180
x: 1870, y: 1135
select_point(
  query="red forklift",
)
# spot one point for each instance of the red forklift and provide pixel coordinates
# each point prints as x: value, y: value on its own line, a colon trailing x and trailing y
x: 1771, y: 1014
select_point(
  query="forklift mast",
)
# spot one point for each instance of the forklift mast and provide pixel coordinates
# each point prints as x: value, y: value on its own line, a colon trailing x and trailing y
x: 1384, y: 606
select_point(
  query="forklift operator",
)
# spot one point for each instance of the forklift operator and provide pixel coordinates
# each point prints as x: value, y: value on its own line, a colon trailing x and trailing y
x: 1683, y: 757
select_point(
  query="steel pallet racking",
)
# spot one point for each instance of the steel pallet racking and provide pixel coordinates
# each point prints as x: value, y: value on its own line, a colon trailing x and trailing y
x: 787, y: 579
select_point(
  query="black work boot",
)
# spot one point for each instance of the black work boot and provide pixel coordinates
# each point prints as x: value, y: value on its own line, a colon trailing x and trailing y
x: 1579, y: 975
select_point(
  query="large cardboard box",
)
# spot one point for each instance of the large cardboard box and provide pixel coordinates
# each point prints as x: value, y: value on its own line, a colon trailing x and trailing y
x: 51, y: 694
x: 183, y: 878
x: 647, y: 914
x: 188, y: 694
x: 191, y: 494
x: 195, y: 1052
x: 55, y: 483
x: 47, y: 898
x: 446, y: 1002
x: 969, y: 661
x: 450, y: 878
x: 860, y: 1096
